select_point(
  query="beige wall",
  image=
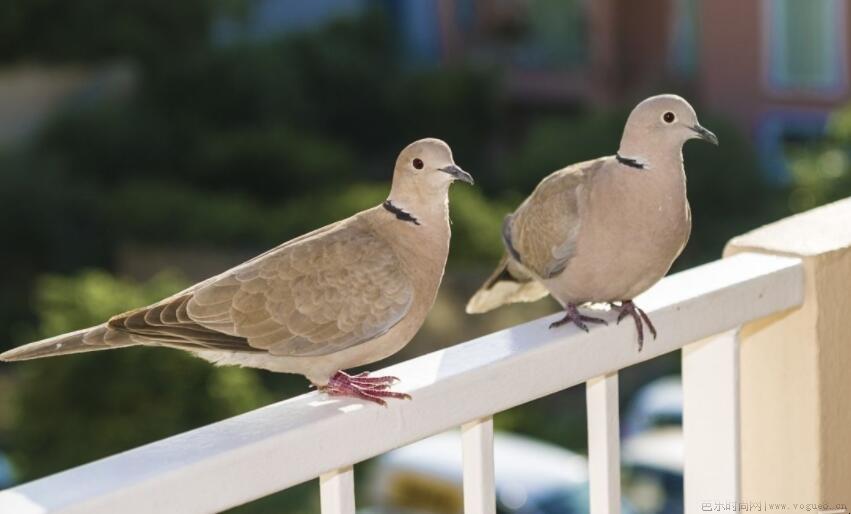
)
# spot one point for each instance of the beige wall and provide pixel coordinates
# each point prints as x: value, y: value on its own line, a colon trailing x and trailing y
x: 795, y: 380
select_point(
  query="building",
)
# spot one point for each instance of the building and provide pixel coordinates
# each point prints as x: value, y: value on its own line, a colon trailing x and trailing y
x: 775, y: 68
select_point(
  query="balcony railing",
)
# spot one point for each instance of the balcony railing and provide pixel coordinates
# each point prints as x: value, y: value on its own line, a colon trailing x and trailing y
x: 261, y: 452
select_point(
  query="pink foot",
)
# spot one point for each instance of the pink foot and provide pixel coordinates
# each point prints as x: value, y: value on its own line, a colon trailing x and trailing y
x: 572, y: 315
x: 363, y: 386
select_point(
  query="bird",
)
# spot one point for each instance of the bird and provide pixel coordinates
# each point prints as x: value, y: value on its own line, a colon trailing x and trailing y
x: 345, y: 295
x: 605, y: 230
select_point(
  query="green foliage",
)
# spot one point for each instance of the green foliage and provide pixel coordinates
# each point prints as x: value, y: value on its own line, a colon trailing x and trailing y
x: 247, y: 143
x: 839, y: 126
x: 476, y: 225
x: 50, y: 223
x: 110, y: 401
x: 98, y: 29
x: 821, y: 172
x: 70, y: 303
x: 223, y: 218
x: 820, y: 175
x: 553, y: 142
x: 727, y: 193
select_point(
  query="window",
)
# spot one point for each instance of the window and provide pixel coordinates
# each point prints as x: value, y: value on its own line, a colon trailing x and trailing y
x: 805, y: 45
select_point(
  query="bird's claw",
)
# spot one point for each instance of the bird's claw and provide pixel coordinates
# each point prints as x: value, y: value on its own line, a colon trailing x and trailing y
x: 364, y: 377
x: 628, y: 308
x: 572, y: 315
x: 363, y: 386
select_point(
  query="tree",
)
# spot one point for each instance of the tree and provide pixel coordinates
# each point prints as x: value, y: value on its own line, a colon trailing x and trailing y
x: 77, y: 408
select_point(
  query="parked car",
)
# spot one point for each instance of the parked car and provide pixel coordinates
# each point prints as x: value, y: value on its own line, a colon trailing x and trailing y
x: 652, y: 448
x: 657, y: 404
x: 532, y: 477
x: 7, y: 477
x: 653, y: 470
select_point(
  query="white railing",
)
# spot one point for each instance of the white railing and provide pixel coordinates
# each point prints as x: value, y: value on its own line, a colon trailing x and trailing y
x: 264, y: 451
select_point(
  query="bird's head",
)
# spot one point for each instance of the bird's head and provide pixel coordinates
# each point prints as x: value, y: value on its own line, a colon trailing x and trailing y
x: 663, y: 121
x: 425, y: 168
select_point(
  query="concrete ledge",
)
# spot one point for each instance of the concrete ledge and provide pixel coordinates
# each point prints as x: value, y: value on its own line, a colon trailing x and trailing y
x: 816, y: 232
x: 795, y: 386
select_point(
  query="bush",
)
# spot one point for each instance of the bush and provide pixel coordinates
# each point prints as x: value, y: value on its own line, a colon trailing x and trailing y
x: 77, y: 408
x: 820, y: 171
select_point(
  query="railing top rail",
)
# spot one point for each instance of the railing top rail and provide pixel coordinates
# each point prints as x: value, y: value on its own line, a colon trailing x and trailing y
x: 258, y: 453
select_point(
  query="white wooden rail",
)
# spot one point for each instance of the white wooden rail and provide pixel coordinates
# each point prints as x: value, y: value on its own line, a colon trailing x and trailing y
x: 604, y: 465
x: 258, y: 453
x: 479, y: 490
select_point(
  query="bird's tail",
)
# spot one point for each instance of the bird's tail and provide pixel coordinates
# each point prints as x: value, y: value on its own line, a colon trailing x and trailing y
x: 509, y: 283
x: 85, y: 340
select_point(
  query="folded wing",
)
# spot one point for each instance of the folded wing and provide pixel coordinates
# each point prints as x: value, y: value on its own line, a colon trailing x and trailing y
x: 314, y: 296
x: 539, y: 238
x: 542, y: 232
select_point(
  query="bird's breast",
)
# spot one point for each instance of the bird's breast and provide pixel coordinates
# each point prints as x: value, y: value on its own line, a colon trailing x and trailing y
x: 630, y: 234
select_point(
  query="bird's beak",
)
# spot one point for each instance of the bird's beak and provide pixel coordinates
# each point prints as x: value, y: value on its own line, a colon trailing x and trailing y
x: 705, y: 134
x: 458, y: 173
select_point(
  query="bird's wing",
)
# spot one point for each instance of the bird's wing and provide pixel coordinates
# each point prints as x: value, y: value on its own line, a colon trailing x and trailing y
x: 509, y: 283
x: 541, y: 234
x: 315, y: 296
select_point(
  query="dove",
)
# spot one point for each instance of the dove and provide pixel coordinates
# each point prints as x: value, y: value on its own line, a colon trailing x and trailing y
x: 345, y: 295
x: 605, y: 230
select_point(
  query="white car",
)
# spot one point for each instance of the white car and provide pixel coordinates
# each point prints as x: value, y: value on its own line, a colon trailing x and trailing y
x: 531, y: 478
x: 657, y: 404
x: 653, y: 470
x: 652, y: 448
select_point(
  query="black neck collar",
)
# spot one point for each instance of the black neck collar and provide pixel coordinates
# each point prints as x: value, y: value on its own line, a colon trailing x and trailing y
x: 632, y: 163
x: 399, y: 213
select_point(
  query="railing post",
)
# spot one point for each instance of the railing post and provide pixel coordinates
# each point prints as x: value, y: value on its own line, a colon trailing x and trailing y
x: 604, y: 457
x: 479, y: 486
x: 337, y: 491
x: 711, y: 422
x: 795, y: 386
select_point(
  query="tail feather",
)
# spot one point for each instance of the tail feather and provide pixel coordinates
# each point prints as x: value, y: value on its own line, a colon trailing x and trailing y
x: 509, y: 283
x: 85, y: 340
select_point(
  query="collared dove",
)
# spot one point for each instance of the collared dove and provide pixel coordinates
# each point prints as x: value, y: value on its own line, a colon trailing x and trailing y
x: 603, y: 231
x: 345, y: 295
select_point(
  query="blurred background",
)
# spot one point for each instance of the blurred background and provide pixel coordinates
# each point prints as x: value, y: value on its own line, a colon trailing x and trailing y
x: 145, y: 145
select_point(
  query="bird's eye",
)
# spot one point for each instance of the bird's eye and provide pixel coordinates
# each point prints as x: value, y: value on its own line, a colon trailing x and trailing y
x: 668, y: 117
x: 418, y: 164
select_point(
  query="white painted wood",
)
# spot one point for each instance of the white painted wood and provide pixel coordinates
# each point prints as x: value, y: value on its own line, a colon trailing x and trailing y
x: 337, y: 491
x: 479, y: 485
x: 604, y: 455
x: 711, y: 421
x: 258, y: 453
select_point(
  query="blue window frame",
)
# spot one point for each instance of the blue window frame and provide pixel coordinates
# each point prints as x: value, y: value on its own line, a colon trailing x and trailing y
x: 775, y: 129
x: 805, y: 45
